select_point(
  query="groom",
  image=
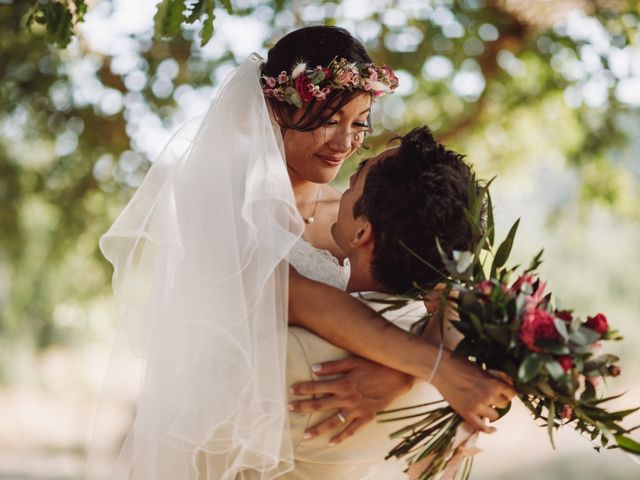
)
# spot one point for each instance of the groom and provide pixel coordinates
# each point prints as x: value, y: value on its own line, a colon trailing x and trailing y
x: 410, y: 194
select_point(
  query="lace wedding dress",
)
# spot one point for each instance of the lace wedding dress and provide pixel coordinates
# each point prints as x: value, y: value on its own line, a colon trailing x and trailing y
x: 362, y: 455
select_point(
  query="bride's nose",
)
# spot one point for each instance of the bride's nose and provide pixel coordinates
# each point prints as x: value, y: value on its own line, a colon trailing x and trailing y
x: 344, y: 140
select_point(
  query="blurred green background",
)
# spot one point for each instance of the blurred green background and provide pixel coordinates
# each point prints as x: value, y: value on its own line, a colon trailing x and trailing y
x: 544, y: 94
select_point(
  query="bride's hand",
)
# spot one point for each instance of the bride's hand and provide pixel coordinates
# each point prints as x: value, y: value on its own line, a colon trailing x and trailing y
x: 472, y: 393
x: 363, y: 389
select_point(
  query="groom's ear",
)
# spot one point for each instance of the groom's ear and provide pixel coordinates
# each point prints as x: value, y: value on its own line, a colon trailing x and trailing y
x: 363, y: 235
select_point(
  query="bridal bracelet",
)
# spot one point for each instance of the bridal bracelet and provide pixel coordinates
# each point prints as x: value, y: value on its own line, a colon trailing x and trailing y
x: 436, y: 364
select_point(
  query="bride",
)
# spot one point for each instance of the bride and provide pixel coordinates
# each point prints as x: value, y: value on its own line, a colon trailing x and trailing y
x: 202, y: 257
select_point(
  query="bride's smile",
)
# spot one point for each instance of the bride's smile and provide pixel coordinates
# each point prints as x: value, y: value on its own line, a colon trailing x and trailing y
x: 317, y: 155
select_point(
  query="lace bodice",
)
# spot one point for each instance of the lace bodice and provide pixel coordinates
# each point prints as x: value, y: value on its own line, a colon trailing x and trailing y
x: 319, y: 265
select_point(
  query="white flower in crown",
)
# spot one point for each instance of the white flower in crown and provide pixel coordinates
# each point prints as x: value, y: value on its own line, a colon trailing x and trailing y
x: 380, y: 88
x: 300, y: 68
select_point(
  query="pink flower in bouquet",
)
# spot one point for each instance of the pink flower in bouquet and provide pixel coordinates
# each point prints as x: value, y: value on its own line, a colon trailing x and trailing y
x: 598, y: 323
x: 537, y: 324
x: 521, y: 280
x: 614, y: 370
x: 596, y: 382
x: 566, y: 412
x: 566, y: 362
x: 302, y: 86
x: 485, y: 287
x: 270, y: 81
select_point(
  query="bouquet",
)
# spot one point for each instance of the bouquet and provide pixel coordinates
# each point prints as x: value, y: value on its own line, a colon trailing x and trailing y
x: 514, y: 330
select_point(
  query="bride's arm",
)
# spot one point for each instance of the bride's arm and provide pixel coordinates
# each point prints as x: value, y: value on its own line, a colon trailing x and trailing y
x: 349, y: 324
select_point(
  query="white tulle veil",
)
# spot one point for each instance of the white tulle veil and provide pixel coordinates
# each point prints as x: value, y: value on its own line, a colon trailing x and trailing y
x: 201, y: 283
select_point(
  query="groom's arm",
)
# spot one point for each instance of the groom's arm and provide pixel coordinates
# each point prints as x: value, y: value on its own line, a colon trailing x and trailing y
x: 349, y: 324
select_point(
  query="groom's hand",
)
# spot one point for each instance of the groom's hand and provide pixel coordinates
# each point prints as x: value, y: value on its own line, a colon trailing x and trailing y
x: 472, y: 393
x: 363, y: 389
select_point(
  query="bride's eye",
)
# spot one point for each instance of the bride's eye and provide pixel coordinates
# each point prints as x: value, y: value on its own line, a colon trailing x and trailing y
x: 330, y: 122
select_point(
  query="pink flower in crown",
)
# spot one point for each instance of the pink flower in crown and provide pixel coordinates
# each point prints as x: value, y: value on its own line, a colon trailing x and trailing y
x: 391, y: 77
x: 356, y: 79
x: 269, y: 92
x: 373, y: 74
x: 270, y: 81
x: 367, y: 86
x: 283, y: 77
x: 319, y: 95
x: 326, y: 90
x: 344, y: 77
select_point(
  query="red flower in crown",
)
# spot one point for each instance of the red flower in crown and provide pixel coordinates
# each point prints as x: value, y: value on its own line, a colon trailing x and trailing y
x: 302, y: 86
x: 598, y: 323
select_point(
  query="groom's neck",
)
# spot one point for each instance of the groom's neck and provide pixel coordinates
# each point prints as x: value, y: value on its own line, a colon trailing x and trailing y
x: 361, y: 279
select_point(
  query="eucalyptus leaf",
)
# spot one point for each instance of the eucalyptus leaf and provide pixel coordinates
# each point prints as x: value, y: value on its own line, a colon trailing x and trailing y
x: 561, y: 327
x: 555, y: 369
x: 530, y: 367
x: 584, y: 336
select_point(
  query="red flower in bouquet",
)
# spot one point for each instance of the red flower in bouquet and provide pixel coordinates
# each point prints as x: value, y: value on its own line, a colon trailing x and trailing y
x: 537, y: 324
x: 566, y: 362
x: 565, y: 315
x: 598, y: 323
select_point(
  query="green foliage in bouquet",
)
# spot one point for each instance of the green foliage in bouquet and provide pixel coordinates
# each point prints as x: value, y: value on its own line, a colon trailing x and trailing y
x: 515, y: 332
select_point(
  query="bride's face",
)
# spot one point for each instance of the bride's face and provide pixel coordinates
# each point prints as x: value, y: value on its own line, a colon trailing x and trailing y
x: 316, y: 156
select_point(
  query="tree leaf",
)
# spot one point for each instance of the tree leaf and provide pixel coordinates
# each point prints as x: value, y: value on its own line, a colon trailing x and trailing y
x: 227, y: 6
x: 169, y: 17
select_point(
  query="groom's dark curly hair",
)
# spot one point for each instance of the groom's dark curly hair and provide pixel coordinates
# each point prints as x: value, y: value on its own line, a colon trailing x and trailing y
x: 412, y: 197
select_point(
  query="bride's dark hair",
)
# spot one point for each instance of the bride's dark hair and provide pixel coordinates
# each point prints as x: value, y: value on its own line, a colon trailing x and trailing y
x: 316, y: 45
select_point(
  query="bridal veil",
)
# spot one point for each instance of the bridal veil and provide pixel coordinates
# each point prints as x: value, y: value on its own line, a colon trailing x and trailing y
x: 201, y: 288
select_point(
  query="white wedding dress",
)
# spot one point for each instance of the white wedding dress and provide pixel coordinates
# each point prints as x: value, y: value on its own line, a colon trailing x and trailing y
x: 362, y: 455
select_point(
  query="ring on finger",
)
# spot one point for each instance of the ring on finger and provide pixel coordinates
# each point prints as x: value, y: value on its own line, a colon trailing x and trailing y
x: 341, y: 417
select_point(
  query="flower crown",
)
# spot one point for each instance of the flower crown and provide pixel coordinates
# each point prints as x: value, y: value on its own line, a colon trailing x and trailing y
x: 305, y: 84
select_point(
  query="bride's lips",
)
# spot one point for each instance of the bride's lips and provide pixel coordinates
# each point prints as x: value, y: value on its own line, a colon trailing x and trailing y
x: 330, y: 160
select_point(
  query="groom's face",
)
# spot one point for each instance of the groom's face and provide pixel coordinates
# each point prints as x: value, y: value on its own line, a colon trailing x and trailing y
x: 346, y: 227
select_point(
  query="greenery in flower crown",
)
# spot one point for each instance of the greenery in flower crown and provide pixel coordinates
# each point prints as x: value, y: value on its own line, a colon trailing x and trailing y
x: 514, y: 330
x: 305, y: 84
